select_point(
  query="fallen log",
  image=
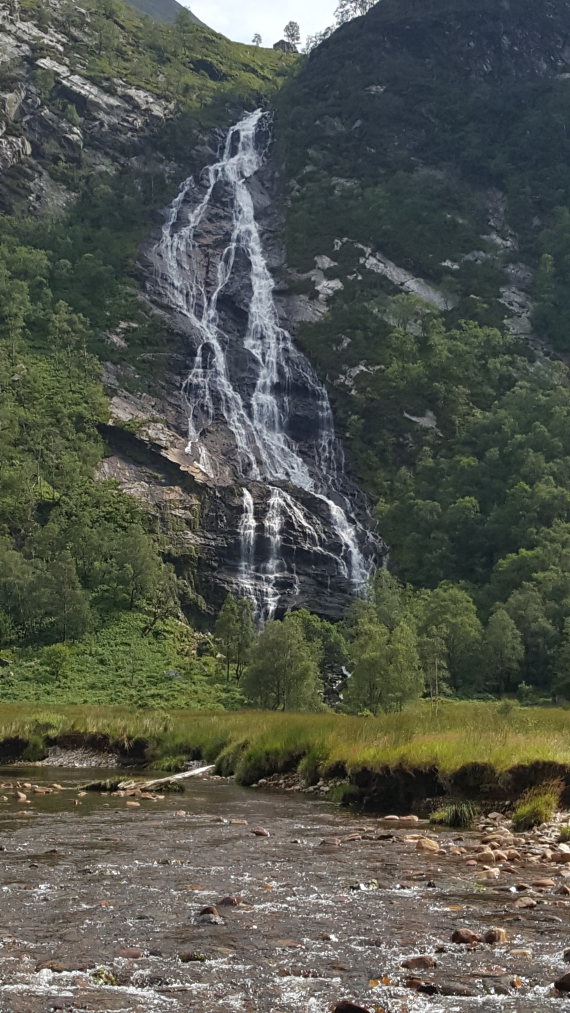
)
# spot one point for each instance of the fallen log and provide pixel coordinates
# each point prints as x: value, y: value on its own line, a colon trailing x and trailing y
x: 172, y: 783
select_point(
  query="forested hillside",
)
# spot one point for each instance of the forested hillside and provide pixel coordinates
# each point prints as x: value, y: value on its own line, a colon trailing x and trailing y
x: 427, y: 153
x: 421, y: 158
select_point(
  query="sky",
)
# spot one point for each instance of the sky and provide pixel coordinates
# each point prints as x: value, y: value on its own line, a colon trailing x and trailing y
x: 241, y: 19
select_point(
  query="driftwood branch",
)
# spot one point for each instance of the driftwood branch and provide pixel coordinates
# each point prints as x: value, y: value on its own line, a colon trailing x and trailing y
x: 172, y: 783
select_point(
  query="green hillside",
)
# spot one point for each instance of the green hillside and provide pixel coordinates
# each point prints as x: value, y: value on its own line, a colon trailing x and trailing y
x: 163, y: 10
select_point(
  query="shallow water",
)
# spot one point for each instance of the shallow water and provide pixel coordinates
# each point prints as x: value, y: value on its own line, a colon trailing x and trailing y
x: 82, y: 878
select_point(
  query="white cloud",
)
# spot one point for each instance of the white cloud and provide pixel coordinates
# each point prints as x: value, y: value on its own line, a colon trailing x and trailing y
x: 240, y: 21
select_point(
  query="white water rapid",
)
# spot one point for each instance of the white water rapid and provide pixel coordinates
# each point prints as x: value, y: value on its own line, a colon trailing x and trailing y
x: 244, y: 386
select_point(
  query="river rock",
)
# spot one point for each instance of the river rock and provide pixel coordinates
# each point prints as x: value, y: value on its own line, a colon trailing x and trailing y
x: 350, y: 1007
x: 231, y: 901
x: 129, y: 953
x: 563, y: 983
x: 210, y: 916
x: 193, y: 957
x: 421, y: 963
x: 457, y: 989
x: 525, y: 903
x: 465, y: 936
x: 260, y: 832
x: 486, y: 857
x: 427, y: 844
x: 494, y: 936
x: 425, y: 987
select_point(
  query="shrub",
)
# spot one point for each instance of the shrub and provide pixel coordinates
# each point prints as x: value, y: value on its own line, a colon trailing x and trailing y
x: 538, y: 805
x: 564, y: 835
x: 458, y: 814
x: 172, y: 764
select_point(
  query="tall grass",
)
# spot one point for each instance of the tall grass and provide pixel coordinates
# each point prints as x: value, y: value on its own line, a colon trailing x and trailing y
x: 259, y: 743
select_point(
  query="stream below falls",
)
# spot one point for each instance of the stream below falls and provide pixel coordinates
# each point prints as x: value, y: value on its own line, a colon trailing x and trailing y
x: 88, y: 882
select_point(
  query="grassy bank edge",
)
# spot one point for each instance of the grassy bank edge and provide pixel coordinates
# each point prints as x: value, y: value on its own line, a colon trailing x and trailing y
x: 494, y: 750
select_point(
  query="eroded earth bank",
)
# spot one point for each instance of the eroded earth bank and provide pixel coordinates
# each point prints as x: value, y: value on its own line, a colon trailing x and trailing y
x: 102, y: 901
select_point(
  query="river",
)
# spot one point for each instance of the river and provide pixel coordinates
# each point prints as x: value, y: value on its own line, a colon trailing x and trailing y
x: 90, y: 883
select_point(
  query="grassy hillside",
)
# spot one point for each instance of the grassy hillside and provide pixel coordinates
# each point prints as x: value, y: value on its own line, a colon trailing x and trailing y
x: 162, y: 10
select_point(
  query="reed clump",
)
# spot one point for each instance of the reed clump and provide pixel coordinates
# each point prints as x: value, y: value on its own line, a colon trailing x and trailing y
x: 537, y: 806
x: 460, y: 815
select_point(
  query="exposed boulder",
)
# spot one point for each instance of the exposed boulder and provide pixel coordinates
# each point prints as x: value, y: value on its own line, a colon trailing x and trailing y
x: 285, y: 47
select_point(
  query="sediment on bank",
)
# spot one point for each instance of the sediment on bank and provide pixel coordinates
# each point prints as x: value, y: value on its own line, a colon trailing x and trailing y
x: 391, y: 763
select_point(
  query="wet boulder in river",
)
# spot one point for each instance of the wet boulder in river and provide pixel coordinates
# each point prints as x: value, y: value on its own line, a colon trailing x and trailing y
x: 210, y: 916
x: 465, y: 936
x: 350, y: 1007
x: 425, y: 962
x: 494, y: 936
x: 563, y: 983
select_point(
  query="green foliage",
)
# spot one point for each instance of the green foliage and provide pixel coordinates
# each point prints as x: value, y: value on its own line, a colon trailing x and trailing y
x: 564, y: 835
x: 234, y: 632
x: 537, y: 806
x: 460, y: 815
x: 123, y: 663
x: 283, y: 673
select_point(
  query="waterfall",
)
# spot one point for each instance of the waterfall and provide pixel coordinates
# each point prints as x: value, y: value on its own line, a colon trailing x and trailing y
x: 251, y: 402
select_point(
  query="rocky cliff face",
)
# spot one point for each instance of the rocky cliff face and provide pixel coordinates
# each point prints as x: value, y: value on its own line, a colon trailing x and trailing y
x: 64, y: 120
x: 55, y: 121
x: 297, y: 546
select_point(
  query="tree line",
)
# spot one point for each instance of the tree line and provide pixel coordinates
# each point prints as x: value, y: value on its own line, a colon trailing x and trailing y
x: 392, y: 647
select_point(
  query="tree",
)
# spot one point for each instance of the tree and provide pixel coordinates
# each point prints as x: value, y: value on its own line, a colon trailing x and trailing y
x: 235, y: 633
x: 132, y: 572
x: 257, y: 40
x: 388, y: 597
x: 433, y: 654
x: 68, y: 604
x: 329, y: 649
x: 283, y: 674
x: 349, y: 9
x: 292, y: 33
x: 366, y: 690
x: 185, y: 30
x: 503, y: 651
x: 451, y: 609
x: 406, y: 679
x: 561, y: 681
x: 313, y: 41
x: 245, y: 636
x: 226, y: 631
x: 526, y: 608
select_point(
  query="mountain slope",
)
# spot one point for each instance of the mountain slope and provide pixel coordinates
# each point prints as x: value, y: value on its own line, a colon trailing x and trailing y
x: 162, y: 10
x: 428, y: 161
x: 101, y: 113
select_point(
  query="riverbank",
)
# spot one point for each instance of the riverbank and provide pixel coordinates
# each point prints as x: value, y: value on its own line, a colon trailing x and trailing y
x: 483, y: 750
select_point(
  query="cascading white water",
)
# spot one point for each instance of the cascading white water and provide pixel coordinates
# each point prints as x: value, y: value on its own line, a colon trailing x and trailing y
x: 257, y: 417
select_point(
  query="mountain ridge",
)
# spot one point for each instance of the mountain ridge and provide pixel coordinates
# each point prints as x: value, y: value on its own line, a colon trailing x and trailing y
x: 163, y: 10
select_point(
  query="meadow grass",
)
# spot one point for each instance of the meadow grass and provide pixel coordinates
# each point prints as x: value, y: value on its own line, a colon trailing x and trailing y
x: 256, y: 744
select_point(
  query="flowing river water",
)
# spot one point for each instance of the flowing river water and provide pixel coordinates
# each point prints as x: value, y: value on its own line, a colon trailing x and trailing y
x: 100, y: 909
